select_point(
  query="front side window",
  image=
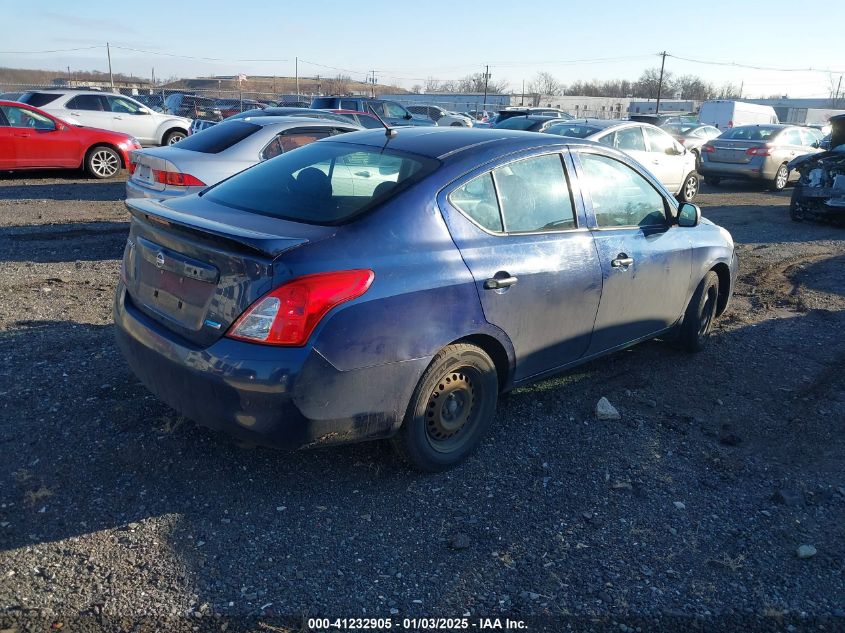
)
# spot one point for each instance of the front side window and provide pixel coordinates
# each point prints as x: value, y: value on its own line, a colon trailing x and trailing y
x: 394, y: 110
x: 119, y: 104
x: 630, y: 139
x: 658, y: 141
x: 93, y: 103
x: 21, y: 117
x: 621, y: 197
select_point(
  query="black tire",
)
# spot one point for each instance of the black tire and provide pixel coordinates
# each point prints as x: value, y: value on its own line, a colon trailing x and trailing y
x: 779, y: 182
x: 173, y: 136
x: 103, y: 162
x: 712, y: 180
x: 690, y: 187
x: 700, y: 314
x: 456, y: 124
x: 451, y: 409
x: 697, y: 157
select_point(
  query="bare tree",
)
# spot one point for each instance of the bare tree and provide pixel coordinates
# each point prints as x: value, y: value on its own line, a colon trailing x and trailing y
x: 727, y: 91
x: 339, y: 85
x: 545, y: 84
x: 692, y: 87
x: 416, y: 89
x: 647, y: 84
x: 432, y: 85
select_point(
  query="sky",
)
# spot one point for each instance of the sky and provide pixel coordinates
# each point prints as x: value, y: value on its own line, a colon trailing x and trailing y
x: 408, y: 42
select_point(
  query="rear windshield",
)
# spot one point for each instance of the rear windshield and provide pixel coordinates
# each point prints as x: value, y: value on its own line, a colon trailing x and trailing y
x: 575, y: 130
x: 750, y: 133
x: 322, y: 183
x: 517, y: 123
x: 38, y: 99
x: 218, y: 138
x: 323, y: 102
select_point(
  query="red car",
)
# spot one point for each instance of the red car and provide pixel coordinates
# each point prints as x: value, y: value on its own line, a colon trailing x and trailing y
x: 32, y: 139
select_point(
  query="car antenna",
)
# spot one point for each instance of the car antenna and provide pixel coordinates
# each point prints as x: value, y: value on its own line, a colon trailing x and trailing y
x: 389, y: 132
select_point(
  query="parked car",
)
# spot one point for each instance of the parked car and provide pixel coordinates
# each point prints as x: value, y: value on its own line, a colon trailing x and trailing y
x: 108, y: 111
x: 691, y: 135
x: 391, y: 112
x: 152, y: 101
x: 663, y: 119
x: 292, y: 111
x: 10, y: 96
x: 284, y: 304
x: 364, y: 119
x: 820, y: 190
x: 192, y: 107
x: 527, y: 123
x: 725, y: 113
x: 668, y: 160
x: 504, y: 115
x: 209, y: 156
x: 229, y: 107
x: 293, y: 101
x: 756, y: 152
x: 440, y: 116
x: 31, y: 138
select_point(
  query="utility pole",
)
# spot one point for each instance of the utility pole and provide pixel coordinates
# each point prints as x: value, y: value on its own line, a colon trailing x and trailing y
x: 153, y: 77
x: 111, y: 77
x: 522, y: 96
x: 741, y: 87
x: 297, y: 76
x: 660, y: 83
x: 838, y: 86
x: 68, y: 74
x: 486, y: 77
x: 372, y: 82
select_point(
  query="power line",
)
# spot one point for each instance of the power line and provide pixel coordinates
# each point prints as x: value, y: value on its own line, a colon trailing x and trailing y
x: 56, y: 50
x: 752, y: 67
x: 208, y: 59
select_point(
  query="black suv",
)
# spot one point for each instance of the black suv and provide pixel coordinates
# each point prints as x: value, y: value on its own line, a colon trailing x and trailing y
x: 193, y: 107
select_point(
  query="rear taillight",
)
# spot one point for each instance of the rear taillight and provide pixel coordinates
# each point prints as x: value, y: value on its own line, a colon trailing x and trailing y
x: 759, y: 151
x: 177, y: 179
x: 680, y: 139
x: 707, y: 149
x: 288, y: 314
x: 730, y: 123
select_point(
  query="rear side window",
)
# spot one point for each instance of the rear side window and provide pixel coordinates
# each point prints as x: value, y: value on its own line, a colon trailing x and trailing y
x: 348, y: 104
x: 219, y: 137
x: 38, y: 99
x: 477, y: 199
x: 791, y: 137
x: 574, y: 130
x: 324, y: 103
x: 322, y: 183
x: 658, y: 141
x: 94, y: 103
x: 630, y: 139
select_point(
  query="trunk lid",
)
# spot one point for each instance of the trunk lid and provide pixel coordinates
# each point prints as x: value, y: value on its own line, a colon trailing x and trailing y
x: 732, y: 151
x: 194, y: 266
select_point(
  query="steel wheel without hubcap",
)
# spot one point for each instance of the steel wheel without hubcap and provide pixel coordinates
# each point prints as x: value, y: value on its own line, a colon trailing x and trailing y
x: 781, y: 178
x: 104, y: 163
x: 450, y: 409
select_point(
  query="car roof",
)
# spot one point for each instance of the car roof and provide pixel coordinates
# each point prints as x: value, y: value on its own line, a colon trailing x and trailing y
x: 293, y: 120
x: 600, y: 123
x: 443, y: 142
x: 75, y: 92
x: 766, y: 126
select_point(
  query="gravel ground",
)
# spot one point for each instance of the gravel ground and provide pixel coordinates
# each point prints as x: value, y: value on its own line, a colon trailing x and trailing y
x: 693, y: 505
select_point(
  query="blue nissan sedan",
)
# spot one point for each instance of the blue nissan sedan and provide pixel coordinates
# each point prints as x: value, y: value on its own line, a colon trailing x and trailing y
x: 392, y: 284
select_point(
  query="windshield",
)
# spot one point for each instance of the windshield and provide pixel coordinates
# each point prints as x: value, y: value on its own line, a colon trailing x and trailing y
x: 750, y: 133
x: 322, y: 183
x: 575, y: 130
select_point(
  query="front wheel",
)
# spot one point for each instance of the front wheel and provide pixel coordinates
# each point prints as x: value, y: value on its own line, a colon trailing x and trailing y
x: 173, y: 137
x: 690, y: 188
x: 102, y: 162
x: 781, y: 178
x: 700, y: 314
x: 451, y: 409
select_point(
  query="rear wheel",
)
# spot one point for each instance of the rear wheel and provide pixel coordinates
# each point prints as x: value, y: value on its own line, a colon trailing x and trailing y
x: 102, y: 162
x: 700, y: 314
x: 781, y: 178
x: 173, y: 137
x: 690, y: 188
x: 451, y: 409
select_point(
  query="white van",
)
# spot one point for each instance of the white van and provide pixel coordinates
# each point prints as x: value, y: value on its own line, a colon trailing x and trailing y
x: 725, y: 114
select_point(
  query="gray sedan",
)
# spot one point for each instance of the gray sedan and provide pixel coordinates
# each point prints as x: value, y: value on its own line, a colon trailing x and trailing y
x: 691, y: 135
x: 207, y: 157
x: 756, y: 152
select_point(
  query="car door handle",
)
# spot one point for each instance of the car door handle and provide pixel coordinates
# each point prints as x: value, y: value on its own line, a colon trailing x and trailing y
x: 119, y: 118
x: 622, y: 261
x: 22, y: 134
x: 496, y: 283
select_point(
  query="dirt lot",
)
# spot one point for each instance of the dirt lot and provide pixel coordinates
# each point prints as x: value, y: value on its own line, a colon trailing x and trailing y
x: 692, y: 506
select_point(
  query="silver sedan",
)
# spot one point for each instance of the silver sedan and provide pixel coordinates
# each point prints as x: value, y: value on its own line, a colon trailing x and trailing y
x: 214, y: 154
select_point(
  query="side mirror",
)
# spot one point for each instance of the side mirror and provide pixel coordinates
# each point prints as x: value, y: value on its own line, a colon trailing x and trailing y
x: 673, y: 150
x: 689, y: 215
x: 142, y: 111
x: 408, y: 117
x: 60, y: 127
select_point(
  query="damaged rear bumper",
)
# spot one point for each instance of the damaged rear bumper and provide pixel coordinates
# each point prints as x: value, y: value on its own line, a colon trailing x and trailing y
x: 820, y: 192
